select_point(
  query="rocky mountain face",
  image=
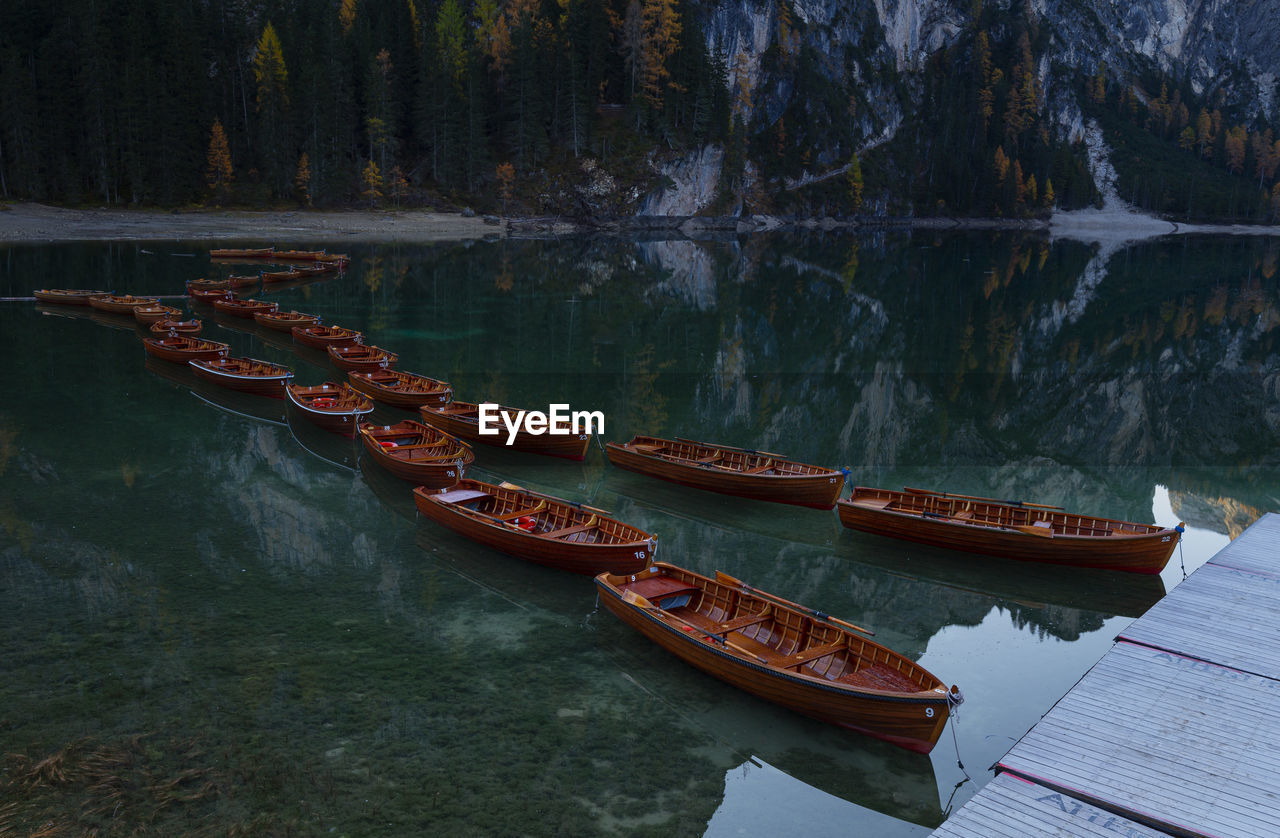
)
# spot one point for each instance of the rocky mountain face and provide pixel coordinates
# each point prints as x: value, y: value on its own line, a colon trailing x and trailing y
x: 873, y: 54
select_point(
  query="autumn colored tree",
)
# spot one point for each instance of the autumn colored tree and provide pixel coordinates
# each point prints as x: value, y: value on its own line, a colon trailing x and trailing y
x: 397, y: 186
x: 346, y: 15
x: 218, y: 164
x: 371, y: 183
x: 1048, y: 198
x: 302, y: 180
x: 660, y: 33
x: 505, y: 176
x: 1234, y: 146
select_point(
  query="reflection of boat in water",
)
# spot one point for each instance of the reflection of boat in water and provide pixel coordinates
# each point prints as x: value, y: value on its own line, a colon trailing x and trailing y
x: 336, y: 449
x: 179, y: 374
x: 394, y: 493
x: 1027, y: 583
x: 241, y: 404
x: 783, y: 522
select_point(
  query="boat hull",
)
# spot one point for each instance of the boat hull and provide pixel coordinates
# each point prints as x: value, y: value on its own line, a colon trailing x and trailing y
x: 431, y: 391
x: 182, y: 352
x: 271, y: 385
x: 913, y: 721
x: 338, y: 419
x: 279, y: 322
x: 121, y: 305
x: 66, y: 296
x: 400, y: 461
x: 331, y: 336
x: 1146, y: 553
x: 818, y: 491
x: 585, y: 559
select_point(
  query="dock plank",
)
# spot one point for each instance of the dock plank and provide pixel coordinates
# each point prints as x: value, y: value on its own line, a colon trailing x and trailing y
x: 1008, y: 807
x: 1169, y: 757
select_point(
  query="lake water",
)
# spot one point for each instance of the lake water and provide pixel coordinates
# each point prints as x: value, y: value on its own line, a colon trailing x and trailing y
x: 214, y: 621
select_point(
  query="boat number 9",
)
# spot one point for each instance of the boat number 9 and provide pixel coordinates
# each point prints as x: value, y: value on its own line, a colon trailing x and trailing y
x: 928, y: 712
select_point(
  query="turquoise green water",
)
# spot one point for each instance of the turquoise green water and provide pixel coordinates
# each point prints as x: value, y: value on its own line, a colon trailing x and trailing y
x: 218, y: 622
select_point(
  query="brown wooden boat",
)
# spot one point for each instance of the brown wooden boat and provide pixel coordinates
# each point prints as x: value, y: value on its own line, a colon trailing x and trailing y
x: 337, y: 260
x: 233, y: 253
x: 247, y: 375
x: 802, y: 659
x: 1027, y: 532
x: 334, y: 407
x: 538, y: 528
x: 200, y: 296
x: 462, y: 419
x: 207, y: 285
x: 243, y: 308
x: 400, y: 389
x: 242, y: 280
x: 321, y: 337
x: 120, y: 304
x: 417, y: 452
x: 181, y: 349
x: 360, y: 356
x: 282, y: 276
x: 170, y: 326
x: 284, y: 321
x: 67, y: 296
x: 150, y: 314
x: 759, y: 475
x: 298, y: 255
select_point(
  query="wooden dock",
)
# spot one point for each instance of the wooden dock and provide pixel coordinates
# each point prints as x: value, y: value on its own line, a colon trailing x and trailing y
x: 1175, y: 731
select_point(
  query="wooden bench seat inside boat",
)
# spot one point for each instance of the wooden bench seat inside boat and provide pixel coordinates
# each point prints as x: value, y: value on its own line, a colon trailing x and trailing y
x: 739, y: 623
x: 760, y: 469
x: 879, y: 677
x: 874, y: 503
x: 461, y: 495
x: 520, y: 513
x: 645, y: 449
x: 566, y: 531
x: 813, y: 653
x: 664, y: 591
x: 711, y: 458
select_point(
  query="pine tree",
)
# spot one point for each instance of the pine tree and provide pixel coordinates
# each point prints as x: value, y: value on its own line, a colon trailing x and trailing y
x: 218, y: 164
x: 855, y: 183
x: 660, y: 33
x: 1048, y: 198
x: 272, y: 103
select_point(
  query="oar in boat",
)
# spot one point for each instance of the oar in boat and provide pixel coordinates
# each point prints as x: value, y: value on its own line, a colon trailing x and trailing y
x: 506, y: 485
x: 633, y: 598
x: 975, y: 497
x: 731, y: 448
x: 729, y: 580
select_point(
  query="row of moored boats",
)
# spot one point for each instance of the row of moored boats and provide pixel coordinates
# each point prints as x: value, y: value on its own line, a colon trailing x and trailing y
x: 809, y: 661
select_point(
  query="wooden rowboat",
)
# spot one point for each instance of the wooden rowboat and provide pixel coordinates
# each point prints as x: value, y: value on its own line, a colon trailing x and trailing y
x: 462, y: 419
x: 150, y: 314
x: 120, y: 304
x: 284, y: 321
x: 359, y: 356
x: 241, y: 280
x: 181, y: 349
x: 207, y: 285
x: 67, y: 296
x: 400, y: 389
x: 247, y: 375
x: 417, y: 452
x: 281, y: 276
x: 782, y: 652
x: 209, y: 296
x: 1011, y: 529
x: 538, y: 528
x: 744, y: 473
x: 334, y: 407
x: 232, y: 253
x: 243, y: 308
x: 176, y: 327
x: 321, y: 337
